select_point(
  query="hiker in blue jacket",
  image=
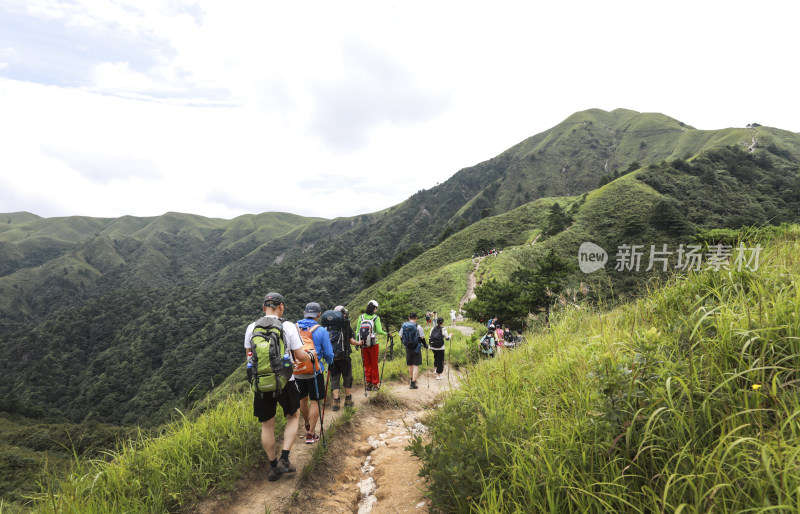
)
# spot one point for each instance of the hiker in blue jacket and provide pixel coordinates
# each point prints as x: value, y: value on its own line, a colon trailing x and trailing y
x: 313, y: 385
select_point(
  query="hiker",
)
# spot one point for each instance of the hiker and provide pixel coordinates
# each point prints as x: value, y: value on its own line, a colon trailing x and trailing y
x: 264, y: 404
x: 428, y: 318
x: 413, y: 338
x: 499, y: 334
x: 437, y: 338
x: 487, y: 342
x: 342, y: 369
x: 311, y: 379
x: 369, y: 328
x: 452, y: 317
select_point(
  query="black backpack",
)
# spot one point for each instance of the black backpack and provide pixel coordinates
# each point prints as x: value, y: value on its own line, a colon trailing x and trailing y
x: 437, y: 337
x: 333, y: 321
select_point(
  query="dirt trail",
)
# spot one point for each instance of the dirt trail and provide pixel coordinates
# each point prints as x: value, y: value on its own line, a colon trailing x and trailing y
x: 752, y: 147
x: 471, y: 282
x: 367, y: 468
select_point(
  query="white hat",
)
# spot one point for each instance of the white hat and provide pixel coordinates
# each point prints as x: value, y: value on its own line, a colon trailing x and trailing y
x: 373, y: 302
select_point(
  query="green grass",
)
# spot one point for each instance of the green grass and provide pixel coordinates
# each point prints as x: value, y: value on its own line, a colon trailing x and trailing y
x: 683, y: 401
x: 204, y: 452
x: 188, y: 461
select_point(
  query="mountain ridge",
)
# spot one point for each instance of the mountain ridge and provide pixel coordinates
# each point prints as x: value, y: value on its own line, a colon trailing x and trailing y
x: 62, y: 278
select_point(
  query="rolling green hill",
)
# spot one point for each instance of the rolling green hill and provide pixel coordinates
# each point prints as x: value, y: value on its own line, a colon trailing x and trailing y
x: 133, y: 316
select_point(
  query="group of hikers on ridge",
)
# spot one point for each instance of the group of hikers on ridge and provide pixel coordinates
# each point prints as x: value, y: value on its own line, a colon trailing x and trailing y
x: 286, y: 366
x: 498, y: 337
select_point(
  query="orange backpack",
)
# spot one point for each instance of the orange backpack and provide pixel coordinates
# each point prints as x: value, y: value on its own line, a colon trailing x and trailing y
x: 307, y: 367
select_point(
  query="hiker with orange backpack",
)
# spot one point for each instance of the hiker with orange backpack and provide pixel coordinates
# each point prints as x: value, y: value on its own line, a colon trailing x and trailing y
x: 310, y: 377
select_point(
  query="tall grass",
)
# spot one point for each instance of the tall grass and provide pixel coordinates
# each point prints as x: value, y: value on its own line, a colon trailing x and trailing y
x: 203, y: 452
x: 190, y: 459
x: 684, y: 401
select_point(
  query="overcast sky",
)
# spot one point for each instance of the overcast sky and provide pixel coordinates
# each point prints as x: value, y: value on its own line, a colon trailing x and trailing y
x: 222, y: 108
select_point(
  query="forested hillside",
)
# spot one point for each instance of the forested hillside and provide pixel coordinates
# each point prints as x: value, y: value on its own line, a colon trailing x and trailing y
x: 131, y: 317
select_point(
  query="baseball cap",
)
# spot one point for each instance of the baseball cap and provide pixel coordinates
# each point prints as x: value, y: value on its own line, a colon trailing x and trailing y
x: 273, y: 299
x: 373, y: 302
x: 341, y: 308
x: 413, y: 315
x: 312, y: 309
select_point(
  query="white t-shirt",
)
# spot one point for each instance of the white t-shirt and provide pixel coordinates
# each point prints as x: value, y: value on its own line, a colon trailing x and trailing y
x: 290, y: 333
x: 446, y: 338
x: 453, y: 315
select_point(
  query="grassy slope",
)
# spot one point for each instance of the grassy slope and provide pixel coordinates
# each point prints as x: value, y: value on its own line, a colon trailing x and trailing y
x: 77, y: 252
x: 437, y: 278
x: 203, y: 452
x: 684, y: 399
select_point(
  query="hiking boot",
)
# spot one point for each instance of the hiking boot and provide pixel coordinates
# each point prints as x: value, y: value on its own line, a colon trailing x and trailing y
x: 273, y: 474
x: 311, y: 438
x: 336, y: 404
x: 348, y: 401
x: 414, y: 385
x: 284, y: 466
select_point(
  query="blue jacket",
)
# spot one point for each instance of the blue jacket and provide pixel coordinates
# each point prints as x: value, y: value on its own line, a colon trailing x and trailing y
x: 322, y: 341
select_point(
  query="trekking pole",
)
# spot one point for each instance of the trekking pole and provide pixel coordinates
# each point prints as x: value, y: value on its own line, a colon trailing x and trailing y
x: 427, y: 365
x: 383, y: 365
x: 321, y: 412
x: 327, y: 381
x: 449, y: 353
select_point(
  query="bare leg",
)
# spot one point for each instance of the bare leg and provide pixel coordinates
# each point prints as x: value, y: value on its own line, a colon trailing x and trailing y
x: 304, y: 409
x: 268, y: 438
x: 290, y: 432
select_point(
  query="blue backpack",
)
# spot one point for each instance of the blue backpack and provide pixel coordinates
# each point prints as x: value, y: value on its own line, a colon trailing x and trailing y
x: 409, y: 335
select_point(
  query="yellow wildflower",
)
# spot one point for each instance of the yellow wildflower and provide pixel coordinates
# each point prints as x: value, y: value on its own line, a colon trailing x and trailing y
x: 756, y: 387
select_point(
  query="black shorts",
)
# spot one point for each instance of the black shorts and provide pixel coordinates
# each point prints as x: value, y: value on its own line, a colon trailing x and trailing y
x: 342, y: 368
x: 307, y: 388
x: 265, y: 404
x: 413, y: 358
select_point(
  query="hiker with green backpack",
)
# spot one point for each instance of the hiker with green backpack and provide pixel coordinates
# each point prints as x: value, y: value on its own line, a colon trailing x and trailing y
x: 369, y: 328
x: 271, y: 344
x: 337, y: 323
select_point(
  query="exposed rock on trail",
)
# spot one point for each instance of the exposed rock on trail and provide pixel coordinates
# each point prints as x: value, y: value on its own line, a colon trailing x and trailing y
x: 366, y: 469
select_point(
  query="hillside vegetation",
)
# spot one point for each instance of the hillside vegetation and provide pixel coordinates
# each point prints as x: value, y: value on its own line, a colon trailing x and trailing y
x: 685, y: 400
x: 125, y: 320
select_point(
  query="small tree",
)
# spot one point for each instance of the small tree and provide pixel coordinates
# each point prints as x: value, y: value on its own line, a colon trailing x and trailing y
x: 394, y: 308
x: 501, y: 299
x: 539, y: 284
x: 557, y: 220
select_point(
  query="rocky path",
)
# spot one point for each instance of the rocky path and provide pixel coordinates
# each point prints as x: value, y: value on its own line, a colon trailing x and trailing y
x: 366, y: 469
x: 471, y: 283
x: 752, y: 147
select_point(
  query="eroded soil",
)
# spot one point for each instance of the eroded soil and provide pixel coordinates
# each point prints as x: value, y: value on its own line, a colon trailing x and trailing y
x: 366, y: 468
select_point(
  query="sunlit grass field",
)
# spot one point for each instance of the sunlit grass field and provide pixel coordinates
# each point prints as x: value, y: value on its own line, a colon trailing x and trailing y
x: 685, y: 401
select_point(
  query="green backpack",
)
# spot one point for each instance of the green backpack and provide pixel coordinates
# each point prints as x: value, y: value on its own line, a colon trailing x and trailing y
x: 271, y: 365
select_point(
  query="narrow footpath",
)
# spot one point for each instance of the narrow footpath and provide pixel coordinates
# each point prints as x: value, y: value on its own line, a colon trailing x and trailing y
x: 366, y: 469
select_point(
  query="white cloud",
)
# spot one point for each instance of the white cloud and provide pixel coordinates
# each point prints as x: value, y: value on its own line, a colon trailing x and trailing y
x: 330, y: 109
